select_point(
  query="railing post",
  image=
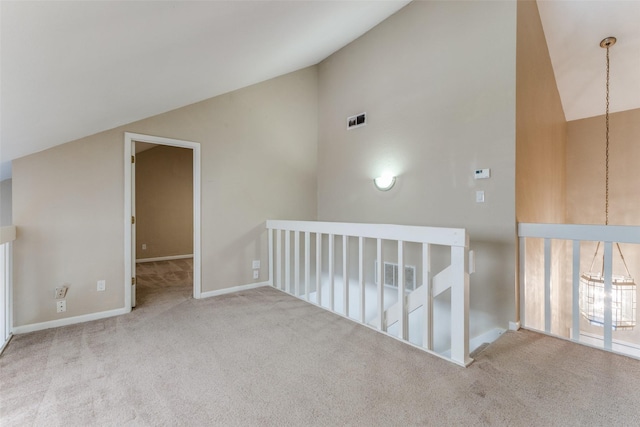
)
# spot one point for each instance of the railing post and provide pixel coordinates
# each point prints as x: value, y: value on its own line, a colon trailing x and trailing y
x: 608, y: 272
x: 361, y: 278
x: 522, y: 254
x: 547, y: 285
x: 345, y: 274
x: 296, y: 262
x: 270, y: 243
x: 402, y: 300
x: 287, y: 261
x: 331, y: 272
x: 380, y: 287
x: 575, y: 315
x: 279, y: 259
x: 459, y: 306
x: 319, y: 269
x: 427, y: 327
x: 307, y: 264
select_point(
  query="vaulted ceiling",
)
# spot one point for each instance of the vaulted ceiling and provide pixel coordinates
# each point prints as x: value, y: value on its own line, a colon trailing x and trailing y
x: 74, y: 68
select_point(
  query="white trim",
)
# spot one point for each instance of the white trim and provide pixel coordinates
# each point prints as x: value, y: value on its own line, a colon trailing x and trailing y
x: 595, y: 233
x: 233, y: 289
x: 164, y: 258
x: 6, y: 343
x: 584, y: 343
x: 486, y: 337
x: 514, y: 326
x: 197, y: 273
x: 69, y: 321
x: 407, y: 233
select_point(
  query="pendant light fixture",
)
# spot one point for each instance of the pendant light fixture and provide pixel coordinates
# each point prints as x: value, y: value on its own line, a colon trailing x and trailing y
x: 623, y: 287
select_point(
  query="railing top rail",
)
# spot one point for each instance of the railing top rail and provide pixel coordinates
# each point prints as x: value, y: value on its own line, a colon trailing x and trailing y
x: 407, y: 233
x: 596, y: 233
x: 7, y: 234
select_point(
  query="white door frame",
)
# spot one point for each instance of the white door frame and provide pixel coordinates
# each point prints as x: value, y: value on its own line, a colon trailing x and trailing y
x: 129, y: 138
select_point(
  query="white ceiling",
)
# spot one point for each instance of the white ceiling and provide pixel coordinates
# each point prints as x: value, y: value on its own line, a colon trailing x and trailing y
x: 74, y: 68
x: 573, y: 30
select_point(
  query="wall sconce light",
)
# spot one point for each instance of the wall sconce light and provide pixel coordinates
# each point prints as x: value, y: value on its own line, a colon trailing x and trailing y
x: 384, y: 182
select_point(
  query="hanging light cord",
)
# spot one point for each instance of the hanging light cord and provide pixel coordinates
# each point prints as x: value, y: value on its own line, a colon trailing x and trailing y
x: 607, y: 43
x: 606, y: 163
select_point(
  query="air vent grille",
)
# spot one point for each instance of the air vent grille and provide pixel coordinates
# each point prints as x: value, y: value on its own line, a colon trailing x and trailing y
x: 390, y: 275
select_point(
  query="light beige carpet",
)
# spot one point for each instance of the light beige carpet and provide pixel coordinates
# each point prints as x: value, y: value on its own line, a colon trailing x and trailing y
x: 263, y: 358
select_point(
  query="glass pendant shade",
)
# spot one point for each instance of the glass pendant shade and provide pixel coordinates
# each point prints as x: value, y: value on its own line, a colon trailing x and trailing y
x: 623, y: 300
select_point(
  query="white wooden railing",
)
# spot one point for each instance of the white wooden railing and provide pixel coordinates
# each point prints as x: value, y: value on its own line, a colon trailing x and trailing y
x: 541, y: 281
x: 297, y: 268
x: 7, y: 236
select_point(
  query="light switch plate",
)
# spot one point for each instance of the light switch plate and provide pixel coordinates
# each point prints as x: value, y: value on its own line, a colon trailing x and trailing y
x: 479, y: 196
x: 255, y: 264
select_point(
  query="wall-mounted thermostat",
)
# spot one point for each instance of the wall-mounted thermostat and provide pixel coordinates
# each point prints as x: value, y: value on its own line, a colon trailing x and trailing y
x: 482, y: 174
x: 357, y: 120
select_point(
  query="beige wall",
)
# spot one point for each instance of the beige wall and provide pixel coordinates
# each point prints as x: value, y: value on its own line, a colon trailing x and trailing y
x: 541, y: 140
x: 68, y: 207
x: 5, y: 202
x: 437, y: 81
x: 258, y: 148
x: 164, y: 202
x: 586, y: 188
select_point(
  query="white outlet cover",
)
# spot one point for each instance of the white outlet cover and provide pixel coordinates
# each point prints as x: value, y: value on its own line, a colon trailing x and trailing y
x: 255, y: 264
x: 102, y: 285
x: 60, y: 292
x: 61, y: 306
x: 479, y: 196
x: 256, y: 274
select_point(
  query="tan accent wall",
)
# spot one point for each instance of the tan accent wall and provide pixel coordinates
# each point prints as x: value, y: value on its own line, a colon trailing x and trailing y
x: 5, y: 202
x: 586, y: 189
x: 540, y: 126
x: 258, y: 148
x: 541, y: 139
x: 437, y: 81
x: 586, y: 169
x: 164, y: 202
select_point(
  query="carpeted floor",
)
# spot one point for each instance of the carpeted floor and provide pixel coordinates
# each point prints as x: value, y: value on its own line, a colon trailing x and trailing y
x: 263, y: 358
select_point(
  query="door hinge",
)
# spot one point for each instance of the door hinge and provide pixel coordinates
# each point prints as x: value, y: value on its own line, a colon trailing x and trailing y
x: 133, y: 159
x: 133, y: 281
x: 133, y: 220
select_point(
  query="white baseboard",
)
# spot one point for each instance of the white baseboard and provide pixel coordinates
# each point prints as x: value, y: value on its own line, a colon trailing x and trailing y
x: 5, y: 343
x: 487, y: 337
x: 233, y: 289
x: 514, y: 326
x: 164, y: 258
x: 68, y: 321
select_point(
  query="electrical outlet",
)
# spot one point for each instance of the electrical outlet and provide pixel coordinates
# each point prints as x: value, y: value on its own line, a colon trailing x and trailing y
x: 61, y: 292
x: 102, y: 285
x: 144, y: 246
x: 256, y: 274
x: 61, y: 306
x: 255, y: 264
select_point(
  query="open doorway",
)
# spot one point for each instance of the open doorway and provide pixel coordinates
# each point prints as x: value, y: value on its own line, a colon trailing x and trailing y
x: 164, y: 223
x: 162, y: 233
